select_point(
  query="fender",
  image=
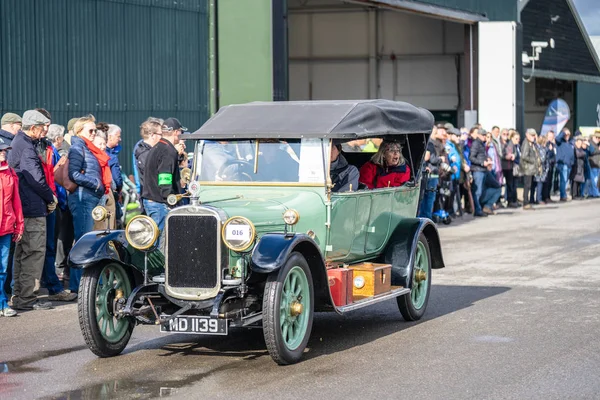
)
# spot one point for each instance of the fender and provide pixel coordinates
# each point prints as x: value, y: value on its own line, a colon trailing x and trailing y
x: 94, y: 247
x: 402, y: 245
x: 273, y: 250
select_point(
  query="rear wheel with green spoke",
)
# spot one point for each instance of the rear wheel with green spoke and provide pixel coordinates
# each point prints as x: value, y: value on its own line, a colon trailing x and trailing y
x: 413, y: 305
x: 288, y: 310
x: 104, y: 332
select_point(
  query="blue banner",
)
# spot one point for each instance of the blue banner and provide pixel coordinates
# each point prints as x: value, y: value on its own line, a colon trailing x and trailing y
x: 557, y: 116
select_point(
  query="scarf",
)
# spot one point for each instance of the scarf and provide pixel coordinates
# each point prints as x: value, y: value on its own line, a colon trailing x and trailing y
x: 102, y: 158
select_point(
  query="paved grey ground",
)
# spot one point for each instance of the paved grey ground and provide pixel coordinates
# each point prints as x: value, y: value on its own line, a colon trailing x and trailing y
x: 515, y: 315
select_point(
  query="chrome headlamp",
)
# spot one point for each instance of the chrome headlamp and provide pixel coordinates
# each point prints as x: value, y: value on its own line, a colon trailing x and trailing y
x: 291, y: 217
x: 99, y: 213
x: 238, y: 233
x: 142, y: 232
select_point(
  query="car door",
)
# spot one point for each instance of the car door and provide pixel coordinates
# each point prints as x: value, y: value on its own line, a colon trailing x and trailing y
x: 349, y: 225
x: 380, y: 214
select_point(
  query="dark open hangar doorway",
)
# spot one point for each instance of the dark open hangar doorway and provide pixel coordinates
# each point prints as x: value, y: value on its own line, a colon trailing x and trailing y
x: 393, y: 49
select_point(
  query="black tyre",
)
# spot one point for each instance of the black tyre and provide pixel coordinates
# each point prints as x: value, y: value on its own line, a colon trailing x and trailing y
x: 288, y: 310
x: 413, y: 305
x: 105, y: 335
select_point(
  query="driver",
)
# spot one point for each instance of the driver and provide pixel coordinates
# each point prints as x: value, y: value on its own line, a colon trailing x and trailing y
x: 275, y: 163
x: 343, y: 175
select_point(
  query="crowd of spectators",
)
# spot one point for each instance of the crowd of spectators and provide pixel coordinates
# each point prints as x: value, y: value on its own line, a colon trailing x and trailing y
x: 478, y: 172
x: 51, y: 178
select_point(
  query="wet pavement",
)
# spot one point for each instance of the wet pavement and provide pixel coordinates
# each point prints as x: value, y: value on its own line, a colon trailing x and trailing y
x: 515, y: 315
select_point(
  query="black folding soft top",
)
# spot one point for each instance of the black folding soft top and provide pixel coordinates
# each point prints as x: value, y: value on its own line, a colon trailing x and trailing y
x: 348, y: 119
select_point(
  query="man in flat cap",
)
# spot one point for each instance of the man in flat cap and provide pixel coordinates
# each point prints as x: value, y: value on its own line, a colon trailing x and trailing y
x: 37, y: 200
x: 11, y: 124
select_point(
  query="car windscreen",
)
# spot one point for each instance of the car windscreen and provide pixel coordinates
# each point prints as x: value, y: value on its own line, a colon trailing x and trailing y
x: 285, y: 161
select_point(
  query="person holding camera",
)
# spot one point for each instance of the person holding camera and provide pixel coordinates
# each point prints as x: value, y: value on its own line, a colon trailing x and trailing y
x: 433, y: 160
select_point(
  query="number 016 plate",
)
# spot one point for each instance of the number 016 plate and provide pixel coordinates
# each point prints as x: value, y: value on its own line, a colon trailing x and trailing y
x: 196, y: 325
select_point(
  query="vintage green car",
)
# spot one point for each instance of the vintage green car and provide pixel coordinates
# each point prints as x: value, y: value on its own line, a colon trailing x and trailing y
x: 263, y: 231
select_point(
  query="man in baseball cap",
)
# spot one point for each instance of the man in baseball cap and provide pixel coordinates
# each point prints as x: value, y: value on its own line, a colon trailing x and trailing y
x: 11, y: 124
x: 37, y: 200
x: 173, y: 126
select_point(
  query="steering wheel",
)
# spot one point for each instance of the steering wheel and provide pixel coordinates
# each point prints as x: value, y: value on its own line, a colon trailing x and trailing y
x: 238, y: 175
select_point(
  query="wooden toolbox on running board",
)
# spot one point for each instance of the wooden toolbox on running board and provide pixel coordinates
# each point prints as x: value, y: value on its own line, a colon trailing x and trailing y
x: 340, y: 285
x: 370, y: 279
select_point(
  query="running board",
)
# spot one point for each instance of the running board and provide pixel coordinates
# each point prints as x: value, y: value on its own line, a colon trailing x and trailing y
x: 373, y: 300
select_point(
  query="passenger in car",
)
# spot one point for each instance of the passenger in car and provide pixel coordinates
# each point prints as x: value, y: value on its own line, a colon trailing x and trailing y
x: 343, y: 175
x: 387, y: 168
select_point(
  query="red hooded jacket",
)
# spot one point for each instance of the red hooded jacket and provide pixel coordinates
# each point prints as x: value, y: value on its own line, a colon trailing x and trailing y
x: 11, y: 212
x: 375, y: 176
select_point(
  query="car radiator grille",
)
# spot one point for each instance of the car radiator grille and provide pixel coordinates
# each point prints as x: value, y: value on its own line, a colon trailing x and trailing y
x: 192, y: 251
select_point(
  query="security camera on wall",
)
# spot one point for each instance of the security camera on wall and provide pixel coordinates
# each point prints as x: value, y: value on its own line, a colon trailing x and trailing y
x: 543, y: 45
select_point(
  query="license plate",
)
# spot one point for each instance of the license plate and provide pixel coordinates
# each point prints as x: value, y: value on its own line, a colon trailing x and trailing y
x: 196, y: 325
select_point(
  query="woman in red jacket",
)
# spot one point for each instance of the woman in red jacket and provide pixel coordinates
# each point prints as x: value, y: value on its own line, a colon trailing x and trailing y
x: 11, y: 222
x: 387, y: 167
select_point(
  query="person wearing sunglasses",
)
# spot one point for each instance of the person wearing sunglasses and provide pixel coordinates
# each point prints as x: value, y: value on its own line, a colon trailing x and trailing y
x: 89, y: 169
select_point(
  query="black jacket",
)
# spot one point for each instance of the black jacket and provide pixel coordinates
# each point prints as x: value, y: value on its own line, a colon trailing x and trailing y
x: 343, y: 175
x: 478, y: 156
x: 594, y: 154
x: 33, y: 188
x: 578, y: 170
x: 435, y: 156
x: 140, y: 153
x: 507, y: 151
x: 161, y: 174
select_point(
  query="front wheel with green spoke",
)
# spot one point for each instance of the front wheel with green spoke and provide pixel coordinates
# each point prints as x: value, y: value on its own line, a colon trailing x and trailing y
x: 101, y: 287
x: 413, y: 305
x: 288, y: 310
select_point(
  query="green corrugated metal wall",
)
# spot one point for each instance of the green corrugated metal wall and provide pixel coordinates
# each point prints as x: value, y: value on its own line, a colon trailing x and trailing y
x: 121, y: 60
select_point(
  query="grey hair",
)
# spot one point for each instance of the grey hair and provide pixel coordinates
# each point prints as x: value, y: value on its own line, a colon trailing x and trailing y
x: 100, y: 133
x: 531, y: 130
x: 54, y: 132
x: 379, y: 157
x: 112, y: 129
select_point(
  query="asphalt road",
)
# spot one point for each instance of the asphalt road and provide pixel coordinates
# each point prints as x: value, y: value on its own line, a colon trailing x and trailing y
x: 515, y: 315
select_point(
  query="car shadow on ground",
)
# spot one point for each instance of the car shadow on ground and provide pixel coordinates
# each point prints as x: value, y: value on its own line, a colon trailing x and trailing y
x: 243, y: 348
x: 333, y: 333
